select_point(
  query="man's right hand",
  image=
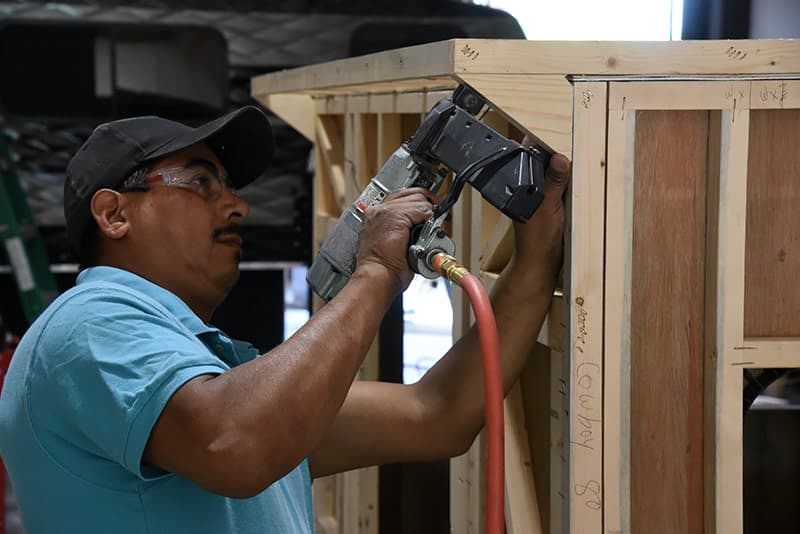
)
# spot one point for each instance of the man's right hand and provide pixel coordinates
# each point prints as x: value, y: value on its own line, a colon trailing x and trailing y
x: 384, y: 237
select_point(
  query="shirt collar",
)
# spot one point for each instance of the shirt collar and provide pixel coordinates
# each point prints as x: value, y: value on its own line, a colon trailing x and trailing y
x: 166, y: 298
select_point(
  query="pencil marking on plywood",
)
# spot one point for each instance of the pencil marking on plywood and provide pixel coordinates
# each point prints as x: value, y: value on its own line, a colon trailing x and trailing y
x: 587, y: 414
x: 776, y: 94
x: 582, y: 331
x: 586, y: 96
x: 469, y: 52
x: 736, y: 53
x: 591, y: 493
x: 734, y: 93
x: 587, y: 406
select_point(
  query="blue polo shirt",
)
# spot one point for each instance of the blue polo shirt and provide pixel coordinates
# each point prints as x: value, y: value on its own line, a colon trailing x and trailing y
x: 85, y: 387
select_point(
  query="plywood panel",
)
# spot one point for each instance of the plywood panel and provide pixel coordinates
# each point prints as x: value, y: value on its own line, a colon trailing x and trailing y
x: 667, y: 321
x: 772, y: 261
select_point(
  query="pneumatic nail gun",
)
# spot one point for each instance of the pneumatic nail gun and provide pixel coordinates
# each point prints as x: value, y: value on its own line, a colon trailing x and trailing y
x: 451, y: 139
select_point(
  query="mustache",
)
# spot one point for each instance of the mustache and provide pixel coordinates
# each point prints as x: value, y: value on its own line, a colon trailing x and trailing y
x: 230, y: 229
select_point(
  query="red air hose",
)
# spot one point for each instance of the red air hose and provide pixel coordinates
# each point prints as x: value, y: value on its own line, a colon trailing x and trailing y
x: 493, y: 388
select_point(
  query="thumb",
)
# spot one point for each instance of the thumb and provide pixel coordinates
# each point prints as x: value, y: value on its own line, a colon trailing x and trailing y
x: 557, y: 177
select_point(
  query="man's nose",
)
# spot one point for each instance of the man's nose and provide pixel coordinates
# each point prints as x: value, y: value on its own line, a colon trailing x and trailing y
x: 239, y: 208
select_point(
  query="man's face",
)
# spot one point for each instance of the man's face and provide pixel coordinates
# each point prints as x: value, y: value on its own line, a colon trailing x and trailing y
x: 186, y: 226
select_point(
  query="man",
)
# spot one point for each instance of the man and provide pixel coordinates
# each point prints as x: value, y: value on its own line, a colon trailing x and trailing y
x: 125, y: 411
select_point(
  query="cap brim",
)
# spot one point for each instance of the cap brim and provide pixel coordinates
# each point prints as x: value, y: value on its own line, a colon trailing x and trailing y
x: 241, y: 139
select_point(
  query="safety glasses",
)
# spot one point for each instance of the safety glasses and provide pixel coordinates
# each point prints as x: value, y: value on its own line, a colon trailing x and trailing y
x: 199, y: 177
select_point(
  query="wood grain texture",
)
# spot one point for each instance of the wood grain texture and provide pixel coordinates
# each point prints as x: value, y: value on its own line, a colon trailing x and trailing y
x: 535, y: 382
x: 432, y: 66
x: 728, y: 94
x: 771, y: 94
x: 667, y: 321
x: 713, y: 287
x: 583, y: 345
x: 772, y: 247
x: 617, y: 347
x: 521, y: 516
x: 725, y: 360
x: 424, y: 61
x: 625, y: 57
x: 394, y: 102
x: 296, y: 110
x: 365, y: 158
x: 539, y: 105
x: 772, y: 352
x: 467, y: 480
x: 329, y: 197
x: 498, y: 247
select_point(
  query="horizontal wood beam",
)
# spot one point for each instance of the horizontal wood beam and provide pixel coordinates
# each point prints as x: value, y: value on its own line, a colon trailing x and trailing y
x: 412, y: 63
x: 678, y: 95
x: 425, y: 66
x: 768, y: 352
x: 769, y: 56
x: 413, y: 102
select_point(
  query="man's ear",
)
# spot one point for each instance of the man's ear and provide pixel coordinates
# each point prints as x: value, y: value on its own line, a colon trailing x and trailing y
x: 109, y: 213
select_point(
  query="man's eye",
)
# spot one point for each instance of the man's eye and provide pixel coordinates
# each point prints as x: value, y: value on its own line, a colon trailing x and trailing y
x: 201, y: 180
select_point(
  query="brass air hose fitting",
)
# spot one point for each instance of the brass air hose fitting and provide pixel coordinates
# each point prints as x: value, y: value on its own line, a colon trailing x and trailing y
x: 448, y: 266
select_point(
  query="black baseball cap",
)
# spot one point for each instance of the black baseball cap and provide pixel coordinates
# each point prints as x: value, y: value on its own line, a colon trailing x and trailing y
x: 242, y: 140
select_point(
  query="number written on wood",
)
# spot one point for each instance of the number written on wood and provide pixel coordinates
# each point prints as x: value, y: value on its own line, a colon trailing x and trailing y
x: 590, y: 494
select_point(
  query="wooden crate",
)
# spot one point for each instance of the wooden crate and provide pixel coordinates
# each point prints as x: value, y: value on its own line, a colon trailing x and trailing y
x: 683, y: 262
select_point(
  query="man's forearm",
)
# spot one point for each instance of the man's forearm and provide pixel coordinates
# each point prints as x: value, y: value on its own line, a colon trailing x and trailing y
x: 283, y: 402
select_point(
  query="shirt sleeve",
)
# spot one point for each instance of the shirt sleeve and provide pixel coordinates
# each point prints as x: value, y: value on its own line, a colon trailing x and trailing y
x: 103, y: 378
